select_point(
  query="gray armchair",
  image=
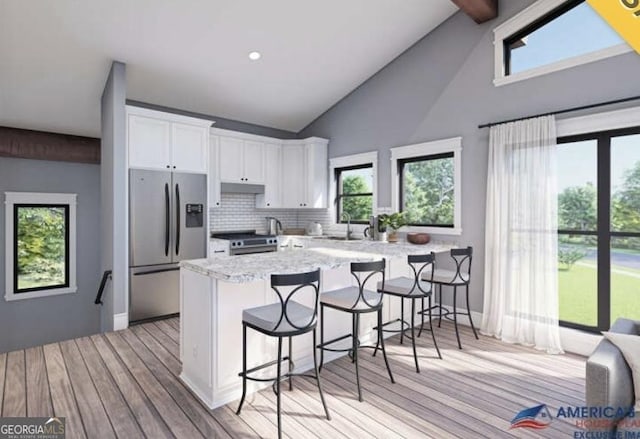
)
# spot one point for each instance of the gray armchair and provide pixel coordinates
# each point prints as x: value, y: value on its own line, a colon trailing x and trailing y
x: 609, y: 380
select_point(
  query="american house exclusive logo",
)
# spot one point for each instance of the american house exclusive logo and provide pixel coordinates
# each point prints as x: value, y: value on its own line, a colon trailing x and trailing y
x: 590, y: 422
x: 537, y: 417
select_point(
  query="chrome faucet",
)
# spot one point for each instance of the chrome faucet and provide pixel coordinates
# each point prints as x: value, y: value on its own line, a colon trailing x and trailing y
x: 346, y: 216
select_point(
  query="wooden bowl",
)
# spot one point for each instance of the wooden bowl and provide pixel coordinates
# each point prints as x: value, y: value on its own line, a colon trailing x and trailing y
x: 418, y: 238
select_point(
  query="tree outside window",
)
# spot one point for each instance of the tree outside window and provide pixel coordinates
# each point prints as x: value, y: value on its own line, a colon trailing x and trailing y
x: 427, y: 190
x: 355, y: 193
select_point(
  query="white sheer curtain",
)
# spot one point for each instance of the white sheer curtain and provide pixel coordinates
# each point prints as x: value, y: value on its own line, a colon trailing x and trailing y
x: 521, y: 256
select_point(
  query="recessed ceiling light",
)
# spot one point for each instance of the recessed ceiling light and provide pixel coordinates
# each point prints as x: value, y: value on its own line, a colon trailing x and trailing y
x: 255, y: 56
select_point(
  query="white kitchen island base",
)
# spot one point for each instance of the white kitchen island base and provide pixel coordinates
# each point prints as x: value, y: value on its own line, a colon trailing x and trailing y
x: 211, y: 319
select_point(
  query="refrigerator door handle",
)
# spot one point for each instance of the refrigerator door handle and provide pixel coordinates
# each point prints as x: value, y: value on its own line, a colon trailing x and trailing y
x: 167, y: 229
x: 177, y: 219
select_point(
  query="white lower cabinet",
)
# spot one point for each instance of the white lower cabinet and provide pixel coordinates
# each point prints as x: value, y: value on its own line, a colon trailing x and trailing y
x: 218, y: 249
x: 211, y: 337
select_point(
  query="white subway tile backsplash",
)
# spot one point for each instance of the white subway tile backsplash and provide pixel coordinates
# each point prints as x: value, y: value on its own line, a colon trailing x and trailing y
x: 238, y: 212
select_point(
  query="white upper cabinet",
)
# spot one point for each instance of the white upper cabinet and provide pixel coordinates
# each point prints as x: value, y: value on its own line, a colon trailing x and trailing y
x: 305, y: 165
x: 272, y: 196
x: 149, y: 142
x: 231, y: 166
x: 215, y: 197
x: 241, y: 160
x: 158, y: 140
x: 189, y: 151
x: 293, y: 171
x: 316, y: 170
x: 254, y: 162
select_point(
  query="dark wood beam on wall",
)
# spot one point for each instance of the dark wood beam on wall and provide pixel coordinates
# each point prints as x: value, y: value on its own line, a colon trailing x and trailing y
x: 39, y: 145
x: 479, y: 10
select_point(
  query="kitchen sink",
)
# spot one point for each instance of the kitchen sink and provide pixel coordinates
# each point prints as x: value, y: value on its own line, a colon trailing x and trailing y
x: 338, y: 238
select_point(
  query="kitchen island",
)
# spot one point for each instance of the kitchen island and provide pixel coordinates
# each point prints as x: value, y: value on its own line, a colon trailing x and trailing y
x: 214, y: 292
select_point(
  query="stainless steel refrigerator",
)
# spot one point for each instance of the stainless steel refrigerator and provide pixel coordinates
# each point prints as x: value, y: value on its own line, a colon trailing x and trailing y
x: 167, y: 224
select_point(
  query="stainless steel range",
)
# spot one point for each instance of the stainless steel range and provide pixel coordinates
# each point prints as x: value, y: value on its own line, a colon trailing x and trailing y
x: 248, y: 241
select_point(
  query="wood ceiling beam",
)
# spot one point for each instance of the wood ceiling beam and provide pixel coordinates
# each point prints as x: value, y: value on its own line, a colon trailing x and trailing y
x: 39, y: 145
x: 479, y: 10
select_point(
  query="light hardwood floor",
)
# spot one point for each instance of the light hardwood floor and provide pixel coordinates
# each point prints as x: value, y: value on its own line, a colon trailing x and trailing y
x: 124, y: 384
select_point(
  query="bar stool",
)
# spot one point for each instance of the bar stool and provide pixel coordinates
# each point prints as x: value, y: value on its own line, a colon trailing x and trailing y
x: 287, y: 318
x: 417, y: 288
x: 356, y: 301
x: 459, y: 278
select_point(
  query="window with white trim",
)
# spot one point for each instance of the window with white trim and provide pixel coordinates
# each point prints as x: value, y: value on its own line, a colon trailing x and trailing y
x: 354, y: 187
x: 426, y: 185
x: 354, y: 198
x: 552, y: 35
x: 40, y: 244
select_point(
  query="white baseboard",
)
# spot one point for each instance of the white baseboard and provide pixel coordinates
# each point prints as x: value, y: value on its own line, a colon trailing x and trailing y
x: 120, y: 321
x: 573, y: 341
x: 462, y: 320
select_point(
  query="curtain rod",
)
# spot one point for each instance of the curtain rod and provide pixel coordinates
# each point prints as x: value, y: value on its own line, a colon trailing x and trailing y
x: 567, y: 110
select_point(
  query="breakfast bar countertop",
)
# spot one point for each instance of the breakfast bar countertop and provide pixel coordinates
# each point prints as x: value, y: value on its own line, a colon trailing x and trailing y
x: 318, y: 253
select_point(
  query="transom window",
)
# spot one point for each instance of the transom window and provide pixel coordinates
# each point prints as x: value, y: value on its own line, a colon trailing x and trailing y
x: 354, y: 198
x: 552, y: 35
x: 40, y: 237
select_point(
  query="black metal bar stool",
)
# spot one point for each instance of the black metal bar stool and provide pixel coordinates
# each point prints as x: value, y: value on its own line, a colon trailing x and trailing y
x: 287, y: 318
x: 459, y: 278
x: 356, y: 301
x: 417, y: 288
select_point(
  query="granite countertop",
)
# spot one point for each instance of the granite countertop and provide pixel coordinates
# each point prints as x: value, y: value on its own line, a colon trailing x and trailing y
x: 320, y: 253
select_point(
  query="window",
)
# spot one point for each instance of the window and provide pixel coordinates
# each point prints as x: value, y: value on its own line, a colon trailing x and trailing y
x: 599, y: 228
x: 354, y: 187
x: 426, y: 185
x: 355, y: 193
x: 40, y: 237
x: 552, y: 35
x: 427, y: 190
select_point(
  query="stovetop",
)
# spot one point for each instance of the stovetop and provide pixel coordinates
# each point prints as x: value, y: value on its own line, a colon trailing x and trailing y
x: 240, y: 235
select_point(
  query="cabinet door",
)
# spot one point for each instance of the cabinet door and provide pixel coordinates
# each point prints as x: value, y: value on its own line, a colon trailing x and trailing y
x: 231, y: 160
x: 215, y: 197
x: 273, y: 181
x: 189, y: 148
x: 293, y: 176
x: 218, y: 249
x: 316, y: 166
x: 253, y: 159
x: 149, y: 142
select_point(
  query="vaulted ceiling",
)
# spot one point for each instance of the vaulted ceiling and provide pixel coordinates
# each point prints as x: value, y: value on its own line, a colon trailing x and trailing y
x: 193, y: 55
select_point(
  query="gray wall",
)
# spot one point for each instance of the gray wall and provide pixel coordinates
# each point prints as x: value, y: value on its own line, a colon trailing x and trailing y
x: 221, y: 122
x: 113, y: 174
x: 31, y: 322
x: 442, y: 87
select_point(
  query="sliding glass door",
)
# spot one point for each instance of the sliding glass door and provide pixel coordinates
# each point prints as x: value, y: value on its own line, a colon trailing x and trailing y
x: 625, y: 226
x: 599, y: 228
